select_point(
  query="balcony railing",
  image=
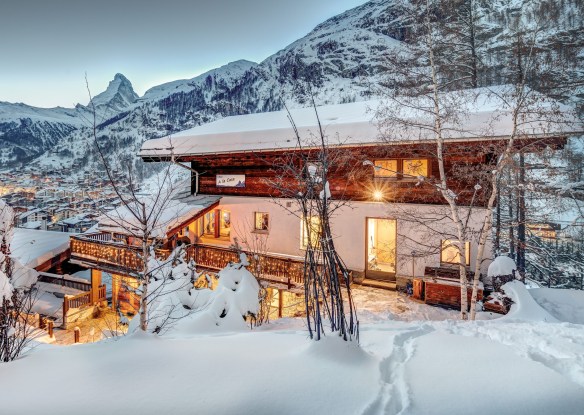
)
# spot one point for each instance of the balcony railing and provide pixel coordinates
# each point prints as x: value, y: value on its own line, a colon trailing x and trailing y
x: 105, y: 253
x: 100, y: 249
x: 274, y: 268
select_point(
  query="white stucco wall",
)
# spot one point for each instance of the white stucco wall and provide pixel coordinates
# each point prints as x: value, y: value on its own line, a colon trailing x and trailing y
x: 348, y: 226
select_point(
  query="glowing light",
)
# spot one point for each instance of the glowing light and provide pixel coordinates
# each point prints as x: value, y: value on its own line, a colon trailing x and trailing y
x: 377, y: 195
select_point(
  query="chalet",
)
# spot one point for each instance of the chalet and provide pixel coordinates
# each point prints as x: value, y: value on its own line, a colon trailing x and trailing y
x: 64, y: 212
x: 547, y: 232
x: 235, y: 161
x: 77, y: 224
x: 35, y: 215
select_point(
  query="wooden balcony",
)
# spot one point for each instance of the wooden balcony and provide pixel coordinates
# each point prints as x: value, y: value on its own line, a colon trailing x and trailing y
x: 101, y: 252
x: 276, y: 269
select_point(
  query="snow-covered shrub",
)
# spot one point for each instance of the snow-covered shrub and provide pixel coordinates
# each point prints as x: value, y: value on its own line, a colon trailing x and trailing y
x: 501, y: 270
x: 226, y: 307
x: 177, y: 306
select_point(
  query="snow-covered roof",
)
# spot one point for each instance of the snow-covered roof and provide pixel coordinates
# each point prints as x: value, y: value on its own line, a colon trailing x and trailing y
x: 166, y: 215
x: 33, y: 247
x: 351, y: 124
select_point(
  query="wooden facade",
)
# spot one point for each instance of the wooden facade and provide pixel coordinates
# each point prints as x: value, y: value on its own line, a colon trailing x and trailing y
x: 466, y: 164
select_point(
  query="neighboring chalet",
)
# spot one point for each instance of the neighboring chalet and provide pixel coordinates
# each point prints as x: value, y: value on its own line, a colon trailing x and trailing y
x: 236, y: 161
x: 62, y: 298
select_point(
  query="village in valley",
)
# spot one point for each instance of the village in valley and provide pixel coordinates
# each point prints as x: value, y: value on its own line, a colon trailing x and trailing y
x: 384, y: 217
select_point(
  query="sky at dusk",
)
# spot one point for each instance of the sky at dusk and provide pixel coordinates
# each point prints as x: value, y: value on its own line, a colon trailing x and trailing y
x: 46, y: 47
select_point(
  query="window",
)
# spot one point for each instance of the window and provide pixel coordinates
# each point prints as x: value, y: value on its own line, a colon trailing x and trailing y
x: 401, y: 168
x: 209, y: 223
x: 415, y: 167
x: 261, y: 222
x: 386, y: 168
x: 312, y: 234
x: 225, y: 225
x: 450, y: 252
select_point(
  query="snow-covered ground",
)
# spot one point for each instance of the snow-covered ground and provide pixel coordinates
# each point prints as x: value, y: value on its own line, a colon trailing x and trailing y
x: 413, y: 359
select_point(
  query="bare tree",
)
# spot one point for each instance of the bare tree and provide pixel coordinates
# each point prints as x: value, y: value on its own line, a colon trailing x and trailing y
x: 304, y: 177
x: 431, y: 109
x: 144, y: 219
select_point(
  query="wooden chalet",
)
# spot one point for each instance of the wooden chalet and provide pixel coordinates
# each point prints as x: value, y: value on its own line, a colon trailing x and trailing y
x: 236, y: 163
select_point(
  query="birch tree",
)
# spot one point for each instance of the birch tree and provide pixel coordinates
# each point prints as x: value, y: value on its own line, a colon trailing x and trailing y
x: 145, y: 218
x: 432, y: 109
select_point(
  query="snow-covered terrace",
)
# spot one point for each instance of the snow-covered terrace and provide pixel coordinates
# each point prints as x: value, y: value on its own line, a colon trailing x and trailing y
x: 351, y: 124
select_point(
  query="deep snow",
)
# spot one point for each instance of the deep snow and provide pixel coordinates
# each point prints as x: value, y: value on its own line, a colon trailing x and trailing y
x: 517, y: 365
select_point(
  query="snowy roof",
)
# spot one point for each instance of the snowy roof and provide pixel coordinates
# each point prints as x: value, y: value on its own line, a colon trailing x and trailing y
x: 166, y: 215
x: 31, y: 212
x: 351, y: 124
x: 33, y: 247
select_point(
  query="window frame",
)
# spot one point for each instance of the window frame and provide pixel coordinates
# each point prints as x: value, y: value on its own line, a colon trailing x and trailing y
x: 255, y: 222
x: 452, y: 242
x: 304, y: 233
x: 399, y: 175
x: 379, y: 173
x: 412, y: 177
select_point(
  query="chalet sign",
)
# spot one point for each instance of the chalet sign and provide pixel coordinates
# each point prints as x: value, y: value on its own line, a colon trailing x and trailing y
x: 230, y: 180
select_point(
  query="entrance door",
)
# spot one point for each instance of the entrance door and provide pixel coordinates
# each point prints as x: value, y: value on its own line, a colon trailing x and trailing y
x: 381, y: 248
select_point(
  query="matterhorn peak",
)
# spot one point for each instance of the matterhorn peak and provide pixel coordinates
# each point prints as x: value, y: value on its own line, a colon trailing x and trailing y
x: 118, y: 96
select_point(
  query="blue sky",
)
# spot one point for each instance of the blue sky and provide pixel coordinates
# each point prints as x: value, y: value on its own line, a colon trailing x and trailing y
x: 46, y: 47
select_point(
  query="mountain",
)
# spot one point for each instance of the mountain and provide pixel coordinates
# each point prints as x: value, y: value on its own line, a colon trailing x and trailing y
x: 27, y: 132
x: 343, y: 59
x: 118, y: 96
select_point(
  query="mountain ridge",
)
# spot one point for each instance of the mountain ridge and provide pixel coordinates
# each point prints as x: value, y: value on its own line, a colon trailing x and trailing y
x: 342, y: 59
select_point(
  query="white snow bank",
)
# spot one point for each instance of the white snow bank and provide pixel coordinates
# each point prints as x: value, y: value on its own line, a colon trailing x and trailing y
x: 353, y: 124
x: 502, y: 265
x: 524, y: 307
x: 21, y: 275
x: 402, y: 367
x: 244, y: 373
x: 164, y: 215
x: 46, y: 303
x: 442, y: 366
x: 178, y: 308
x: 565, y: 305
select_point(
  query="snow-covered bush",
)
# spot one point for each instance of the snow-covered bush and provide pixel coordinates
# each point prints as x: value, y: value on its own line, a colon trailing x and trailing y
x: 501, y: 270
x: 176, y: 306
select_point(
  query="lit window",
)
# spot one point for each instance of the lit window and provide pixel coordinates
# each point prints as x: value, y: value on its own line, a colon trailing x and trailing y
x: 261, y: 221
x: 386, y: 168
x: 209, y: 223
x: 309, y: 231
x: 450, y: 252
x: 225, y: 229
x: 415, y: 167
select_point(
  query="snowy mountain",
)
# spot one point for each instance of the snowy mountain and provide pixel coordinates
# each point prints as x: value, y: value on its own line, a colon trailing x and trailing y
x: 27, y: 132
x: 343, y: 59
x: 118, y: 96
